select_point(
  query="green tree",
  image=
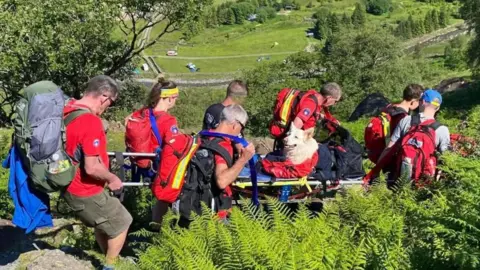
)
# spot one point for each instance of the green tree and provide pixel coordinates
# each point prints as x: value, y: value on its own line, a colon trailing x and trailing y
x: 333, y: 23
x: 378, y: 7
x: 211, y: 19
x: 443, y: 19
x: 470, y: 11
x: 346, y: 21
x: 359, y: 16
x: 271, y: 12
x: 230, y: 17
x: 321, y: 29
x: 404, y: 30
x: 262, y: 15
x: 428, y: 23
x: 69, y: 41
x: 434, y: 18
x: 367, y: 61
x: 455, y: 54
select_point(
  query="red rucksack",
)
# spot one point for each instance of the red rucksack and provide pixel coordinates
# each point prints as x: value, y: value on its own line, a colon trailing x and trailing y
x: 378, y: 131
x: 139, y: 137
x: 285, y: 108
x: 175, y: 159
x: 416, y: 155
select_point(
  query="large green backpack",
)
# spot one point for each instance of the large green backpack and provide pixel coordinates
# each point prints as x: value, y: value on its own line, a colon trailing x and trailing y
x: 39, y: 136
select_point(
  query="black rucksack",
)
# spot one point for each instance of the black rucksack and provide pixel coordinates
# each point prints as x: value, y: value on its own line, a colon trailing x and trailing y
x: 200, y: 184
x: 340, y: 157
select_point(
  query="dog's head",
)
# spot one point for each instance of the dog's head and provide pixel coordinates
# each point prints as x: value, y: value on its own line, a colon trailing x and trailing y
x: 299, y: 144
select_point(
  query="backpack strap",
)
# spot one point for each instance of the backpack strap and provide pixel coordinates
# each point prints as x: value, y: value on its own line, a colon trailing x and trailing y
x: 74, y: 115
x: 214, y: 146
x: 415, y: 120
x: 153, y: 123
x: 394, y: 111
x: 316, y: 114
x: 435, y: 125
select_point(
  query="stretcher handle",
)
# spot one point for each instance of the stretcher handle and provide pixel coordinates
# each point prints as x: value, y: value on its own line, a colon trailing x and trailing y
x: 313, y: 183
x: 132, y: 154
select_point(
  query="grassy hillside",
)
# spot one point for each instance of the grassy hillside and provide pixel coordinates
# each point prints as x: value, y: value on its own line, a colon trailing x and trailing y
x: 252, y: 38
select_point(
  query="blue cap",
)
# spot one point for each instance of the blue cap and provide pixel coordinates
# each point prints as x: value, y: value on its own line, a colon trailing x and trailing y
x: 432, y: 96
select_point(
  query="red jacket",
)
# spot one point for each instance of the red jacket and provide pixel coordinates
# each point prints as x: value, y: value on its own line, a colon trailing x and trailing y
x: 286, y: 169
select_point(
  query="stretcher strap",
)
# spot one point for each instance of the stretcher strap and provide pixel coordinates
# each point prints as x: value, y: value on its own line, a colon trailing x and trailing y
x: 304, y: 182
x: 251, y: 162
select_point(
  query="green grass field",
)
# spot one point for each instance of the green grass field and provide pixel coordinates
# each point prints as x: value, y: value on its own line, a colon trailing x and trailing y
x: 252, y: 38
x: 213, y: 65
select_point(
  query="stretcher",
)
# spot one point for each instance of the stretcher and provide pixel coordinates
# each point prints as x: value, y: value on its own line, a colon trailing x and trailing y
x: 287, y: 189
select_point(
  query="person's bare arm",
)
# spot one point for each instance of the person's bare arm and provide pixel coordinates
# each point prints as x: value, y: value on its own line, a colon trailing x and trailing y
x: 298, y: 122
x: 226, y: 176
x: 97, y: 170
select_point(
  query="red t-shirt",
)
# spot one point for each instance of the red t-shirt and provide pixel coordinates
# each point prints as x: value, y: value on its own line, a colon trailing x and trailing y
x: 172, y: 141
x: 167, y: 127
x: 85, y: 134
x: 306, y: 110
x: 227, y: 145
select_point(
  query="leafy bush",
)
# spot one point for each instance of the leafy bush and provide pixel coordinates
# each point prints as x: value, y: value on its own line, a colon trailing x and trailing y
x: 429, y: 228
x: 6, y: 204
x: 132, y: 96
x: 378, y: 7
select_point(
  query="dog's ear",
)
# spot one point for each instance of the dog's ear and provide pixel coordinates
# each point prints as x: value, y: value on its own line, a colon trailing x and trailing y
x: 309, y: 133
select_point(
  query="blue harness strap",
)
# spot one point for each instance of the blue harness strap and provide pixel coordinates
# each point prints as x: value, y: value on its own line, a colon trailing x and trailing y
x: 153, y: 123
x: 251, y: 162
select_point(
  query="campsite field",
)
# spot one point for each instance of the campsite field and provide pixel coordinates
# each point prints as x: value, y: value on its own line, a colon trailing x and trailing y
x: 252, y: 39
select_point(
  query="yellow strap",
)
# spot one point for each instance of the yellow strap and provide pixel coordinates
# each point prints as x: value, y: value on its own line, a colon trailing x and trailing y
x: 386, y: 127
x: 169, y: 92
x: 180, y: 171
x: 304, y: 182
x: 286, y: 107
x: 300, y: 182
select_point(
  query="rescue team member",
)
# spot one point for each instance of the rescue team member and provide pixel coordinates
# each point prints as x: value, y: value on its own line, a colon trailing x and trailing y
x: 237, y: 91
x: 410, y: 102
x: 429, y: 105
x: 161, y: 99
x: 86, y: 144
x: 328, y: 95
x: 232, y: 121
x: 377, y: 133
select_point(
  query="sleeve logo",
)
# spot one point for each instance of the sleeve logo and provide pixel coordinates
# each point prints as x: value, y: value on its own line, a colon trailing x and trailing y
x: 96, y: 142
x: 306, y: 112
x: 174, y: 129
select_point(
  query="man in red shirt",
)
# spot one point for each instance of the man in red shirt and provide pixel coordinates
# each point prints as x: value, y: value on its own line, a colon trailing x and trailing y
x: 307, y: 109
x: 86, y: 144
x: 232, y: 121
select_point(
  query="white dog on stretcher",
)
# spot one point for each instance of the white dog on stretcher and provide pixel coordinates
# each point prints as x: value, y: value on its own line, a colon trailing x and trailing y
x: 299, y: 145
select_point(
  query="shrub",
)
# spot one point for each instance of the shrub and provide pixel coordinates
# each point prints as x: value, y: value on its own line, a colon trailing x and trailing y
x: 435, y: 227
x: 378, y: 7
x: 132, y: 96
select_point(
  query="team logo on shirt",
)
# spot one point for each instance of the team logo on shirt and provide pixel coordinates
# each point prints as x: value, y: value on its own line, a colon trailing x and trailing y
x: 306, y: 112
x: 96, y: 142
x: 174, y: 129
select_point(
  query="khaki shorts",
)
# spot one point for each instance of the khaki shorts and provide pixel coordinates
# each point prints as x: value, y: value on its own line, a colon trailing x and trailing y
x: 101, y: 211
